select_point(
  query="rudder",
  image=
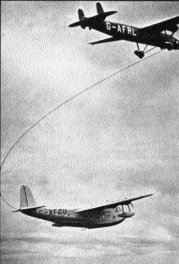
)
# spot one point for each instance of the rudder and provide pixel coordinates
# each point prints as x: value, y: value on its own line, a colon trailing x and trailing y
x: 81, y: 14
x: 99, y: 8
x: 26, y: 197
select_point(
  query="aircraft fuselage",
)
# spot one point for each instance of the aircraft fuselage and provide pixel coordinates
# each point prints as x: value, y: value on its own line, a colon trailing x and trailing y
x: 134, y: 34
x: 91, y: 217
x: 64, y: 217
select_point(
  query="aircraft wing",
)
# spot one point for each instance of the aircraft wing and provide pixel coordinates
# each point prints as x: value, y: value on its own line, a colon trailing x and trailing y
x: 104, y: 41
x: 164, y: 25
x: 111, y: 205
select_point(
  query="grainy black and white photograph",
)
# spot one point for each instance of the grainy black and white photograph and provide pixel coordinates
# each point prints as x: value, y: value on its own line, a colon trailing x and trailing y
x: 89, y: 132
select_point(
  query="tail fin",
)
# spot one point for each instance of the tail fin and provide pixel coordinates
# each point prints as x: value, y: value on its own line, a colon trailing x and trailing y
x: 81, y: 14
x: 89, y: 21
x: 27, y: 202
x: 81, y: 21
x: 99, y: 8
x: 26, y: 197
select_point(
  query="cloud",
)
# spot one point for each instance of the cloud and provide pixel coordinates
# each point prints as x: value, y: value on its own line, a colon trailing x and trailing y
x: 124, y: 248
x: 118, y: 140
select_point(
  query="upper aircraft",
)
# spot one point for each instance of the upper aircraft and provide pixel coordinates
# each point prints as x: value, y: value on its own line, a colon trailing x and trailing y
x: 92, y: 217
x: 154, y: 35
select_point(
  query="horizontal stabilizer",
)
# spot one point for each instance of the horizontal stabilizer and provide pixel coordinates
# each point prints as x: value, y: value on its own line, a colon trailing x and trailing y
x: 76, y: 24
x: 102, y: 16
x: 28, y: 208
x: 109, y: 13
x: 98, y: 19
x: 104, y: 41
x: 90, y: 21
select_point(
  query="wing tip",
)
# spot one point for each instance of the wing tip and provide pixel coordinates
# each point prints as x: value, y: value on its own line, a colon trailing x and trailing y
x: 147, y: 195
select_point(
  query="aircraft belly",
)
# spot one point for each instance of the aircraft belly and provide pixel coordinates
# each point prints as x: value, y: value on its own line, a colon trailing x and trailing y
x: 75, y: 222
x: 149, y: 41
x: 152, y: 39
x: 90, y: 224
x: 100, y: 224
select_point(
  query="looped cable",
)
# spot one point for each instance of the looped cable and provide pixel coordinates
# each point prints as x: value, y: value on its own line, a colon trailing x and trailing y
x: 62, y: 104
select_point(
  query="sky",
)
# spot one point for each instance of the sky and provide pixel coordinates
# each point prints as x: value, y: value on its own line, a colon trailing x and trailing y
x: 118, y: 140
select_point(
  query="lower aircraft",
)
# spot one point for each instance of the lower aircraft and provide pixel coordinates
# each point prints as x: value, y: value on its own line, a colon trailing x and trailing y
x: 153, y: 35
x: 91, y: 217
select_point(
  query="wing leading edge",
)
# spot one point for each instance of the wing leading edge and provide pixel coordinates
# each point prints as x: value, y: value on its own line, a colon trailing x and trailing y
x: 113, y: 204
x: 164, y: 25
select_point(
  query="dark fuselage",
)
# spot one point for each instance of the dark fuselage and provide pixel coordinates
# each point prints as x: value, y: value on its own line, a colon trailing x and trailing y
x: 134, y: 34
x: 64, y: 217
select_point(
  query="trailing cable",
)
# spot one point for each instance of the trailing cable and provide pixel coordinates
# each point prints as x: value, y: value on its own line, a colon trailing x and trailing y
x: 62, y: 104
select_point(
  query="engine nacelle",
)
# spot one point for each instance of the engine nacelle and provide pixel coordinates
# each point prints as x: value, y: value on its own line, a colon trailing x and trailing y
x: 168, y: 45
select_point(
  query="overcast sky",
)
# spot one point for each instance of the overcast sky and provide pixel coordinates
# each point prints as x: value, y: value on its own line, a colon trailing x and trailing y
x: 118, y: 140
